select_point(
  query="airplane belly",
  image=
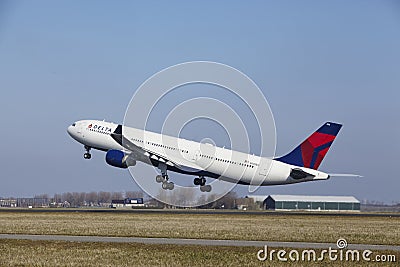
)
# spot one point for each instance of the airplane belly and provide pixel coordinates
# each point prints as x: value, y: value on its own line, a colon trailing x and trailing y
x: 278, y: 174
x: 275, y: 174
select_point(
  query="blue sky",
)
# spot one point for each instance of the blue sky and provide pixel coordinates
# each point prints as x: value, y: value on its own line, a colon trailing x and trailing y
x: 314, y: 61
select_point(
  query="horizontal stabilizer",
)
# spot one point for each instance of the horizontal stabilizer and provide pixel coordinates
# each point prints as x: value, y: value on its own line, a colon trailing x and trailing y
x: 344, y: 175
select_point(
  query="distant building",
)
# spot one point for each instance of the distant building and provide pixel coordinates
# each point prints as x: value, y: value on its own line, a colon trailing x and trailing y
x: 310, y: 203
x: 117, y: 203
x: 257, y: 198
x: 246, y: 204
x: 33, y: 202
x: 8, y: 202
x: 127, y: 202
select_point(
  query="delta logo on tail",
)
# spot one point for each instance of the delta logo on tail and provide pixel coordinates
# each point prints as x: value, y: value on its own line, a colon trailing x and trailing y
x: 312, y: 151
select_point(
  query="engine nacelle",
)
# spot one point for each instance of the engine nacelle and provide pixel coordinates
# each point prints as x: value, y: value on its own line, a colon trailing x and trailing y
x: 119, y: 159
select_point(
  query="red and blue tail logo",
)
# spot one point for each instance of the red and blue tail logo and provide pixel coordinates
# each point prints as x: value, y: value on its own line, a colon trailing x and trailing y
x: 312, y: 151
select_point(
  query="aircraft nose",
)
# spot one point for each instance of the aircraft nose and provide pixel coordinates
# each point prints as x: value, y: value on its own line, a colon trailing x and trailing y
x: 69, y: 130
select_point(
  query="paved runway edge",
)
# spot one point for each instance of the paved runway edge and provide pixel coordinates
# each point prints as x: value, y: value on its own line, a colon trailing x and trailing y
x: 200, y: 242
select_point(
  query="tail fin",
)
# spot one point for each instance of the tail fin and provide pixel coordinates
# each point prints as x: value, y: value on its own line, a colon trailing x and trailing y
x: 312, y: 151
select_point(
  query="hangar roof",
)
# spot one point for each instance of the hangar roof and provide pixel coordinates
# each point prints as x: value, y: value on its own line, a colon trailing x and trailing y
x: 315, y: 198
x: 346, y: 199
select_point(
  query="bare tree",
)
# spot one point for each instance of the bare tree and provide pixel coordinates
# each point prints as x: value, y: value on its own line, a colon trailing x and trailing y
x: 57, y: 198
x: 92, y: 198
x: 182, y: 196
x: 104, y: 197
x: 75, y: 199
x: 67, y: 197
x: 116, y: 195
x: 133, y: 194
x: 41, y: 196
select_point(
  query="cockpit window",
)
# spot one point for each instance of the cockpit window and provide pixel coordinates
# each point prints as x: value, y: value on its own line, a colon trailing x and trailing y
x: 74, y: 124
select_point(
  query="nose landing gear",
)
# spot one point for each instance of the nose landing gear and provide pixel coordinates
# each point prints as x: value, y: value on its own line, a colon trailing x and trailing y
x: 87, y: 155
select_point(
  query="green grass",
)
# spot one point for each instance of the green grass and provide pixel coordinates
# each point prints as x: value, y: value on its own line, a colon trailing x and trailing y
x: 365, y: 230
x: 270, y: 227
x: 60, y: 253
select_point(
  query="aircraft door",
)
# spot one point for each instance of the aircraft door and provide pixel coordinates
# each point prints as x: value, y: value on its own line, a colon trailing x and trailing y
x: 264, y: 167
x: 197, y: 155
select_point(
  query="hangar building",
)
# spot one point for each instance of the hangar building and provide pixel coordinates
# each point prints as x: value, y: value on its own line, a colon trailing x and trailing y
x: 292, y: 202
x: 295, y: 202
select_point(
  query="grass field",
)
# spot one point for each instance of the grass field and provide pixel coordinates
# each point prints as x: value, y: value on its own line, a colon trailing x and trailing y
x: 327, y: 229
x: 52, y: 253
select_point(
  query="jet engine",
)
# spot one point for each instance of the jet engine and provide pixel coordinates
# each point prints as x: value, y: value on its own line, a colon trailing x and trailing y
x: 118, y: 158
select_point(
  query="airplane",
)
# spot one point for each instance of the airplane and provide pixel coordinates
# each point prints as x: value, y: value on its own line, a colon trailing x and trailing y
x: 124, y: 146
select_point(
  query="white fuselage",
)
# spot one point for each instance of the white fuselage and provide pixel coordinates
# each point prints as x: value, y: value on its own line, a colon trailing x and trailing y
x: 219, y: 162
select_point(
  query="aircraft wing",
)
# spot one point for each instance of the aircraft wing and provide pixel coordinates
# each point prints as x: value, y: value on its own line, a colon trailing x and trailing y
x: 146, y: 154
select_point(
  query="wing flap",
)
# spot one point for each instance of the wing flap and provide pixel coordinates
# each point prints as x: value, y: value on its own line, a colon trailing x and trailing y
x: 148, y: 154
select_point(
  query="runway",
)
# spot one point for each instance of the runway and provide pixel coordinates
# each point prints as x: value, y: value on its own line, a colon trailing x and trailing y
x: 199, y: 242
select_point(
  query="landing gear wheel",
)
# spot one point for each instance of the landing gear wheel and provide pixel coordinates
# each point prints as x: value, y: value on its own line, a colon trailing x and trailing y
x: 199, y: 181
x: 205, y: 188
x: 163, y: 178
x: 170, y: 185
x: 164, y: 185
x: 87, y: 155
x: 159, y: 179
x: 167, y: 186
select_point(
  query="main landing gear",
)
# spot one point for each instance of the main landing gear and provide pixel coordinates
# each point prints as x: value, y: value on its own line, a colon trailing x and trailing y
x: 202, y: 182
x: 87, y: 155
x: 163, y: 178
